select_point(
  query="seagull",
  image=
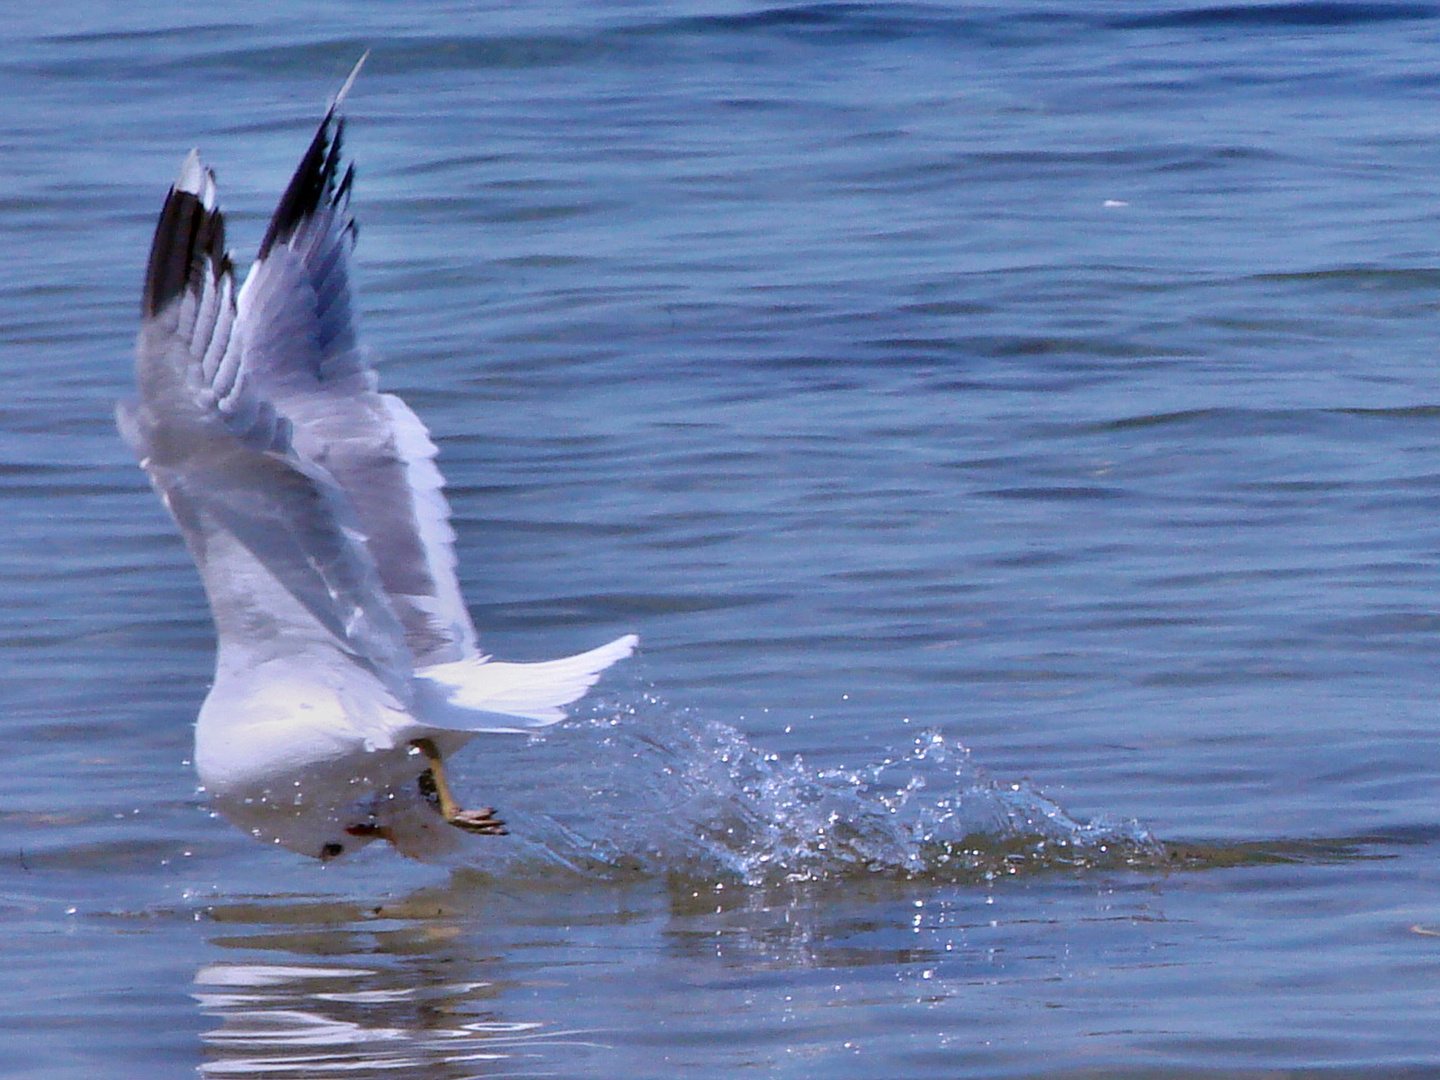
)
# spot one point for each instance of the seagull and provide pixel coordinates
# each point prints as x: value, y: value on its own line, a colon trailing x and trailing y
x: 347, y: 666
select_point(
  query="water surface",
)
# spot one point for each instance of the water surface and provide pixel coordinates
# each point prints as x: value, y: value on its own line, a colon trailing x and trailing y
x: 1012, y: 431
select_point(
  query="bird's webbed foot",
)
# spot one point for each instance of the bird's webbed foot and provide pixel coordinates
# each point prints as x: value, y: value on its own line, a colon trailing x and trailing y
x: 436, y: 790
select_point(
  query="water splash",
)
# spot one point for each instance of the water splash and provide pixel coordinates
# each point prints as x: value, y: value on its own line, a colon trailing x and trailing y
x: 639, y: 788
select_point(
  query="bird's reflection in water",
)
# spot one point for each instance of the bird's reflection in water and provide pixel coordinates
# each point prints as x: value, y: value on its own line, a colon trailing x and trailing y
x: 333, y: 989
x: 481, y: 977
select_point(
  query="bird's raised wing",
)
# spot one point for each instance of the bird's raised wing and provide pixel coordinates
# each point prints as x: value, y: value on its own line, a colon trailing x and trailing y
x: 285, y: 566
x: 301, y: 346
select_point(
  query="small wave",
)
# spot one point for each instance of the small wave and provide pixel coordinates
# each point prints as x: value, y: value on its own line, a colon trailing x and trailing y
x: 1320, y: 13
x: 863, y: 22
x: 641, y: 789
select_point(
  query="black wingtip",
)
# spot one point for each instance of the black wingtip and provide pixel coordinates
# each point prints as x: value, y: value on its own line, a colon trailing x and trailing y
x: 318, y: 178
x: 315, y: 182
x: 189, y: 237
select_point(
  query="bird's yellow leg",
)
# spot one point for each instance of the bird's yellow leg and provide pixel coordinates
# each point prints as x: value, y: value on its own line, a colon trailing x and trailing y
x: 436, y: 790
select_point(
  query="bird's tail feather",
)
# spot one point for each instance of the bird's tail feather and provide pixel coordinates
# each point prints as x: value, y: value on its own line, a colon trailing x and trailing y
x: 490, y: 695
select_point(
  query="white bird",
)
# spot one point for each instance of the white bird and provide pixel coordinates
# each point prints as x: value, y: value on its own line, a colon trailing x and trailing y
x: 347, y: 666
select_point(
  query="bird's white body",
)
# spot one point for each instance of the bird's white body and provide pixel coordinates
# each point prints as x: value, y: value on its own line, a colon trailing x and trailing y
x: 314, y: 511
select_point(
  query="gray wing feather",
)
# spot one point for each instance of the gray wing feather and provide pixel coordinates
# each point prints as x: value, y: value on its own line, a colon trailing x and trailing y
x: 301, y: 347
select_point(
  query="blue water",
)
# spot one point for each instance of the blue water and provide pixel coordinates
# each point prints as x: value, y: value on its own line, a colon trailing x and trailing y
x: 1013, y: 430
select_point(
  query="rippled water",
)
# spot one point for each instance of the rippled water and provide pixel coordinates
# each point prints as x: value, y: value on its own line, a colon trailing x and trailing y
x: 1013, y: 431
